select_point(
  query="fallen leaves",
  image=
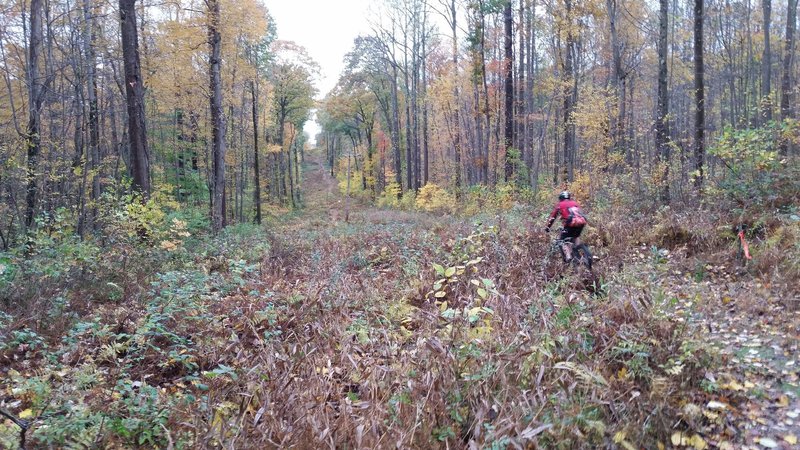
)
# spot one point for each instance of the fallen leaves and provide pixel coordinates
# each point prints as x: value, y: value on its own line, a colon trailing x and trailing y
x: 767, y: 442
x: 713, y: 404
x: 682, y: 439
x: 620, y: 439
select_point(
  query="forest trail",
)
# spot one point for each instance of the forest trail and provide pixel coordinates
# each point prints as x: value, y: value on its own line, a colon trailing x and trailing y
x: 752, y: 397
x: 758, y: 338
x: 320, y: 190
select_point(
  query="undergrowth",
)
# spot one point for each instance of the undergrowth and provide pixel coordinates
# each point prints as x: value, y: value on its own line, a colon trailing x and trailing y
x: 400, y: 329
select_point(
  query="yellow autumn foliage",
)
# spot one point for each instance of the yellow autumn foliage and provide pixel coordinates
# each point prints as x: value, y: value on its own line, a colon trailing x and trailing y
x: 581, y: 186
x: 434, y: 198
x: 390, y: 197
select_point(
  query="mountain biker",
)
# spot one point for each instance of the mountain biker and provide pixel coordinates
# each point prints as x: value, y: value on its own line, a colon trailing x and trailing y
x: 572, y: 220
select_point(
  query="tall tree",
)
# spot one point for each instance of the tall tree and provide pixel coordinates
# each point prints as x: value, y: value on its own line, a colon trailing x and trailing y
x: 699, y: 96
x: 570, y: 83
x: 425, y: 149
x: 35, y: 99
x: 452, y: 18
x: 766, y: 63
x: 787, y: 87
x: 508, y: 68
x: 134, y: 91
x: 217, y: 118
x: 90, y: 37
x: 254, y: 91
x: 618, y: 78
x: 519, y: 89
x: 662, y: 110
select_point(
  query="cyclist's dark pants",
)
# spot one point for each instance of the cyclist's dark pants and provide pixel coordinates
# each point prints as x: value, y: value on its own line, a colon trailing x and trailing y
x: 569, y: 234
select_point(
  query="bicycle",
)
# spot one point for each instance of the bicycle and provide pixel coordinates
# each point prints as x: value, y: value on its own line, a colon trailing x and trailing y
x: 581, y: 255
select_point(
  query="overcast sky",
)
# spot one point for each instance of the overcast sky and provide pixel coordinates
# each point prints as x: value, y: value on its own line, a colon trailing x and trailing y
x: 326, y: 28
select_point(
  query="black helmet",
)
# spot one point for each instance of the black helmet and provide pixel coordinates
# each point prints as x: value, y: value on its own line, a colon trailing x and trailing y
x: 564, y: 195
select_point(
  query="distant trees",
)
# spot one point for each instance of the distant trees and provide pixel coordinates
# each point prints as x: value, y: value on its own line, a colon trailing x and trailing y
x: 466, y: 94
x: 572, y: 89
x: 166, y: 99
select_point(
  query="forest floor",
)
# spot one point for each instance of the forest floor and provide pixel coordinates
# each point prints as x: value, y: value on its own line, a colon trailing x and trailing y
x: 406, y: 329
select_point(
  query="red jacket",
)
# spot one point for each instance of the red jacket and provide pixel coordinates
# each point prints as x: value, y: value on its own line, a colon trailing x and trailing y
x: 562, y: 208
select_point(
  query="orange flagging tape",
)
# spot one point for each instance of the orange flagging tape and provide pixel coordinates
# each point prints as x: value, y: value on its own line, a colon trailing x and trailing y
x: 744, y: 245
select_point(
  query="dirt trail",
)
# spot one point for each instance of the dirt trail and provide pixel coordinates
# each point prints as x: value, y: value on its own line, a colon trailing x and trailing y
x: 320, y: 189
x: 758, y: 382
x: 322, y: 199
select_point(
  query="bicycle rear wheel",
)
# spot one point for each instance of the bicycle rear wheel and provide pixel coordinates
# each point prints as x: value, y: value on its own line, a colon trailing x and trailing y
x: 582, y: 256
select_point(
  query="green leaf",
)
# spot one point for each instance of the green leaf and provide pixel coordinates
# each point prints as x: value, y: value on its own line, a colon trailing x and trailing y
x: 483, y: 293
x: 439, y: 269
x: 450, y: 272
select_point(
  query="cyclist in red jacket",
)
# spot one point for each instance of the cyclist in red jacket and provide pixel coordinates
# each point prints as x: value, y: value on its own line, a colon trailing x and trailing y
x: 573, y: 221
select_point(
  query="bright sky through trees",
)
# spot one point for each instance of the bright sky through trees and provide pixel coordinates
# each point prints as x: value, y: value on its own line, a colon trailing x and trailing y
x: 326, y: 28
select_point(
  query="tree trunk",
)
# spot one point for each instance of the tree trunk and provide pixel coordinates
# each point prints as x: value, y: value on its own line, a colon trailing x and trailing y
x: 519, y: 105
x: 395, y: 130
x: 217, y: 119
x: 90, y: 36
x: 699, y: 97
x: 425, y: 155
x: 509, y: 94
x: 570, y: 90
x: 486, y: 106
x: 347, y: 190
x: 787, y: 87
x: 662, y: 111
x: 618, y: 79
x: 766, y: 64
x: 456, y: 96
x: 256, y: 168
x: 134, y: 90
x: 295, y: 152
x: 409, y: 143
x: 35, y: 98
x: 529, y: 98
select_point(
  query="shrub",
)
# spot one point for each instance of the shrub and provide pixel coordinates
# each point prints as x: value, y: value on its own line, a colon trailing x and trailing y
x: 754, y: 173
x: 433, y: 198
x: 390, y: 197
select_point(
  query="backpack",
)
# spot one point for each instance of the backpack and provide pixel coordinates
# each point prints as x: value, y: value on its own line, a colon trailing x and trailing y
x: 576, y: 217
